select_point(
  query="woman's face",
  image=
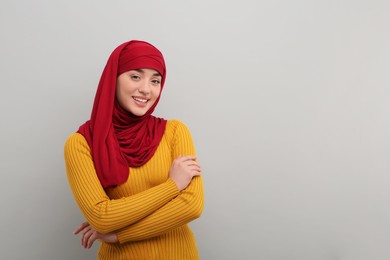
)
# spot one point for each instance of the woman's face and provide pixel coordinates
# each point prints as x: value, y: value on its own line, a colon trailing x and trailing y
x: 137, y: 90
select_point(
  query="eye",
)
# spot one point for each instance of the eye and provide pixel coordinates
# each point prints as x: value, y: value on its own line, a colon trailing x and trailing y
x: 156, y: 82
x: 135, y: 77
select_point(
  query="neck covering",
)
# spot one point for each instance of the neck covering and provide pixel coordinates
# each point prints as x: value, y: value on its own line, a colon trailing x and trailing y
x: 117, y: 138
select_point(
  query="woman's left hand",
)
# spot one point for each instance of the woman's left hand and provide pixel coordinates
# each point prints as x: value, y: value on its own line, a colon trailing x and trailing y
x: 90, y: 235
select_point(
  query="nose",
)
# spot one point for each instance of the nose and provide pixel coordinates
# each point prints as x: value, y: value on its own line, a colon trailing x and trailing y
x: 144, y: 87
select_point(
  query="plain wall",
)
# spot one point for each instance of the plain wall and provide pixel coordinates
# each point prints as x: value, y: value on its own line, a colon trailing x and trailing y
x: 288, y: 103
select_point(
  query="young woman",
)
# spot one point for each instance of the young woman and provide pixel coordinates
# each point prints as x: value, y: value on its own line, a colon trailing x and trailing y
x: 134, y: 176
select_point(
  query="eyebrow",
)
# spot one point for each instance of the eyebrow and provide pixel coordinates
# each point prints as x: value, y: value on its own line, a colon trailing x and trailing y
x: 142, y: 71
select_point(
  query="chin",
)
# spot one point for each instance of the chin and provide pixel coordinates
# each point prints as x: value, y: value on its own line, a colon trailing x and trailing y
x: 138, y: 113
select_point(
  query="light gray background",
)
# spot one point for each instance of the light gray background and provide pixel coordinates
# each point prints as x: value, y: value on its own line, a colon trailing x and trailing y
x: 287, y: 101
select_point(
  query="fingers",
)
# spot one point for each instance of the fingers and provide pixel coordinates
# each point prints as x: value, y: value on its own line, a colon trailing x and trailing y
x: 92, y: 239
x: 194, y: 167
x: 191, y: 164
x: 185, y: 158
x: 89, y: 235
x: 87, y: 232
x: 80, y: 228
x: 197, y: 172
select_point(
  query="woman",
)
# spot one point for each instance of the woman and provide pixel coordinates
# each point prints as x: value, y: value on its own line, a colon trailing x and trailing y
x: 134, y: 176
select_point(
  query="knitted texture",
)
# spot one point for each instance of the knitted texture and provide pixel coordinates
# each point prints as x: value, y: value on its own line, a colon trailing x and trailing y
x: 148, y: 212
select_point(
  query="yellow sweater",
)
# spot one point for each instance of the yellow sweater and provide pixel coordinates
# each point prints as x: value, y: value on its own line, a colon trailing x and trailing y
x: 148, y: 212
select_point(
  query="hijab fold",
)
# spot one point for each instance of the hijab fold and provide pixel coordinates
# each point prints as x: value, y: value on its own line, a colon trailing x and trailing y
x: 118, y: 139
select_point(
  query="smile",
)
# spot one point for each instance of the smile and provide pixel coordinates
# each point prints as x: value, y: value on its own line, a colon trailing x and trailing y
x: 140, y: 100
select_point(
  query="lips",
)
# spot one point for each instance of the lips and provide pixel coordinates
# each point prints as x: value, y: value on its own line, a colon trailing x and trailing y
x: 142, y: 100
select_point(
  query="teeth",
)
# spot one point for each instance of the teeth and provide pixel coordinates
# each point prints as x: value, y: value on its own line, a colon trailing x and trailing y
x: 141, y: 100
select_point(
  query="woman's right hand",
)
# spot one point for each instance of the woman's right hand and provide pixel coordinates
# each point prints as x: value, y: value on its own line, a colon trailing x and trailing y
x: 183, y: 169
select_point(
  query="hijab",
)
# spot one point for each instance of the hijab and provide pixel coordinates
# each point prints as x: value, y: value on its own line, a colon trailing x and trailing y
x: 117, y: 138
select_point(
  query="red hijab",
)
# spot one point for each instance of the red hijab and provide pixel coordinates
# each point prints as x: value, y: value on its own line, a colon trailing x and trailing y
x: 117, y: 138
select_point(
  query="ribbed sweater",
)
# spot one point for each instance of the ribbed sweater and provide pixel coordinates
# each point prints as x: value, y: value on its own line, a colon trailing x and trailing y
x: 148, y: 212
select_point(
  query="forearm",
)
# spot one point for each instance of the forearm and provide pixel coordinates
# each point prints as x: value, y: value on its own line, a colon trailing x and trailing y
x: 181, y: 210
x: 108, y: 215
x: 103, y: 214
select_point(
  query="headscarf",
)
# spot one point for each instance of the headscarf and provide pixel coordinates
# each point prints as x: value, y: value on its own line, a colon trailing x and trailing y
x: 118, y: 139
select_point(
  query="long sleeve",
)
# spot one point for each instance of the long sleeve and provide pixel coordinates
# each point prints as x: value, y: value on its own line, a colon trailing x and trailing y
x: 185, y: 207
x: 105, y: 214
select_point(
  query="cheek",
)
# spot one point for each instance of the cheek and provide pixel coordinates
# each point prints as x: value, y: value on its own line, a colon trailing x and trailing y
x: 158, y: 91
x: 118, y: 94
x: 122, y: 95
